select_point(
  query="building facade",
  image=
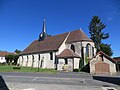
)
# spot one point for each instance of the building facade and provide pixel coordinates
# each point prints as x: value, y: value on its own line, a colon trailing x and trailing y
x: 2, y: 56
x: 61, y: 52
x: 102, y: 64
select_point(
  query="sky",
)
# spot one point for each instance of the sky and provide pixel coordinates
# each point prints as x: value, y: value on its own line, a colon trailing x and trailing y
x: 21, y: 21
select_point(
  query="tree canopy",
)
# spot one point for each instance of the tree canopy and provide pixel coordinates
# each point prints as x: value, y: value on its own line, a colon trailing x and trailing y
x: 12, y: 59
x: 17, y: 51
x: 97, y: 35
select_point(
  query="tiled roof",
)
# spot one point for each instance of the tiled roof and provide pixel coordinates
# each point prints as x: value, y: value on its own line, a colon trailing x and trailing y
x: 51, y: 43
x: 76, y: 36
x: 68, y: 53
x: 117, y: 59
x: 106, y: 56
x: 3, y: 54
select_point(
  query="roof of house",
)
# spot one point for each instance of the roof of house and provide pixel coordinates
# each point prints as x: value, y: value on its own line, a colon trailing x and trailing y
x: 68, y: 53
x: 117, y: 59
x: 53, y: 43
x: 106, y: 56
x: 3, y: 54
x: 77, y: 35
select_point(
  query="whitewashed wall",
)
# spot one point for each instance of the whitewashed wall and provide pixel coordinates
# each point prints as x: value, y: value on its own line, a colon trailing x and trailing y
x: 111, y: 64
x: 97, y: 59
x: 76, y: 63
x: 26, y: 60
x: 2, y: 60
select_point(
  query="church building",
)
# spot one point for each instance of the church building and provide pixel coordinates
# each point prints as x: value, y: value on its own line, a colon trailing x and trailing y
x: 64, y: 51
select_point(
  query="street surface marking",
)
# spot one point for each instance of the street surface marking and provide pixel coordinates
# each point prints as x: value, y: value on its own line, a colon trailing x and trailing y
x: 29, y: 89
x: 35, y: 78
x: 109, y: 88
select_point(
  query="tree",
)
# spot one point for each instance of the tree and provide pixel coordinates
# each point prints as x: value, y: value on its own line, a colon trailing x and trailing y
x: 15, y: 58
x: 96, y: 27
x: 9, y: 58
x: 12, y: 59
x: 97, y: 35
x: 106, y: 49
x: 17, y: 51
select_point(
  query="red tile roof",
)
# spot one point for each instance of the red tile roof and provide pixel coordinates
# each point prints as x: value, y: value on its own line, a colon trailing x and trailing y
x: 49, y: 44
x: 54, y: 42
x: 117, y: 59
x: 106, y: 56
x: 68, y: 53
x: 76, y: 36
x: 3, y: 54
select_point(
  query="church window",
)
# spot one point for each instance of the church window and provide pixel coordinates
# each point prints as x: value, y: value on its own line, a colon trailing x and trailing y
x: 51, y: 55
x: 73, y: 47
x: 88, y: 50
x: 93, y: 51
x: 66, y: 61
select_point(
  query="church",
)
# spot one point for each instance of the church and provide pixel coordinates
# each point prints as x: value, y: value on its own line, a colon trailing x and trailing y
x: 66, y: 51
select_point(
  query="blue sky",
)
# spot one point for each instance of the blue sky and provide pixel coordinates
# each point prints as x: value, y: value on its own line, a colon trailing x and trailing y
x: 21, y: 20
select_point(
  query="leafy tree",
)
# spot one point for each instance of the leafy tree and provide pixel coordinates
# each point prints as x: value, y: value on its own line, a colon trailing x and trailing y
x: 15, y: 58
x: 97, y: 35
x: 9, y: 58
x: 106, y: 49
x: 17, y: 51
x: 96, y: 27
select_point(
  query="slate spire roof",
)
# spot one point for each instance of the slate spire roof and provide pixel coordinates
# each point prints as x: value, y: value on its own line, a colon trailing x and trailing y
x: 53, y: 43
x: 43, y: 34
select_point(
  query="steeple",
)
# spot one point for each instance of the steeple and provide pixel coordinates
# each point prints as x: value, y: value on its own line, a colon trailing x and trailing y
x: 43, y: 34
x: 44, y: 26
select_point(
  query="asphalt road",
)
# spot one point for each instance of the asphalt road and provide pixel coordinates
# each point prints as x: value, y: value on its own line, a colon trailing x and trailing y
x: 59, y: 81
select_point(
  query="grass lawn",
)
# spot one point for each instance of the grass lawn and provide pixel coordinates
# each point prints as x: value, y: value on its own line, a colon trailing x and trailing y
x: 26, y: 69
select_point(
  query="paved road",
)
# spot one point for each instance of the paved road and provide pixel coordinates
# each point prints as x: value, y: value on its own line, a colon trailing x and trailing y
x: 59, y: 81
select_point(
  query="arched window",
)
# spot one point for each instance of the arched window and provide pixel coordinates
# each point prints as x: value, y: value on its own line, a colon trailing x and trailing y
x: 73, y: 47
x: 93, y: 51
x: 88, y: 50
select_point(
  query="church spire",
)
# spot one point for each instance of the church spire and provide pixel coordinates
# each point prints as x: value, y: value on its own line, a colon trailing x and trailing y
x: 43, y: 34
x: 44, y: 26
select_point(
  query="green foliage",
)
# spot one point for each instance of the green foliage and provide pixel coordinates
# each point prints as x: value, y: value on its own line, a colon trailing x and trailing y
x: 81, y: 63
x: 86, y: 59
x: 15, y: 58
x: 106, y: 49
x: 96, y: 27
x: 17, y: 51
x: 11, y: 57
x: 97, y: 35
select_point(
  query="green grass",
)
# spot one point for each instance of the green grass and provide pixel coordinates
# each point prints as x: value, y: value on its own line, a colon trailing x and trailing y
x: 26, y: 69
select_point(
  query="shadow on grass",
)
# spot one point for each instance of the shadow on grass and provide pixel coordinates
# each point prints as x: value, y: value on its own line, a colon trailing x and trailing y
x: 3, y: 86
x: 113, y: 80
